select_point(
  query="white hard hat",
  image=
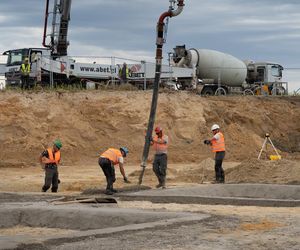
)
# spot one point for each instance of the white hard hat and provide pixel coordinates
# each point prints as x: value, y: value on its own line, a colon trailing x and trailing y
x: 214, y: 127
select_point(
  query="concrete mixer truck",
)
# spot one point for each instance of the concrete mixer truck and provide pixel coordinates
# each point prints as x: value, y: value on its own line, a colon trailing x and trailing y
x: 222, y: 74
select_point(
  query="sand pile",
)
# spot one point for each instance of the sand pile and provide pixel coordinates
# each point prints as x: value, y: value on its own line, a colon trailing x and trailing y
x: 204, y: 172
x: 89, y: 122
x: 249, y: 171
x: 257, y: 171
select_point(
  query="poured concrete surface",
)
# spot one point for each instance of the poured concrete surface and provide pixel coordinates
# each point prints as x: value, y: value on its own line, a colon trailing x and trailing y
x: 85, y: 220
x: 166, y: 224
x: 76, y: 217
x: 227, y: 194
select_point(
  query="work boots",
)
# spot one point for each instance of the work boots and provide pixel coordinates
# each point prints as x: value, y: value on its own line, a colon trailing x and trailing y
x: 114, y: 190
x: 161, y: 184
x: 110, y: 190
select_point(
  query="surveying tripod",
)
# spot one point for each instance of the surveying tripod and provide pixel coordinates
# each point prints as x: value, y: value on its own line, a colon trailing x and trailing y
x: 267, y: 139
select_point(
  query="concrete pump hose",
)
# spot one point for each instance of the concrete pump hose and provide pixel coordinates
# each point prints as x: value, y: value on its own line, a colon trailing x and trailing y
x: 179, y: 9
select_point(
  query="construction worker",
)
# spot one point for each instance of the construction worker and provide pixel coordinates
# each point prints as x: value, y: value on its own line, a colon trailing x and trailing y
x: 107, y: 161
x: 160, y: 145
x: 51, y: 158
x: 25, y: 70
x: 217, y: 144
x: 124, y: 73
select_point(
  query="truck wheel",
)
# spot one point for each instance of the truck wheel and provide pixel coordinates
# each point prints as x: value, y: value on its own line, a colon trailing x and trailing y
x: 278, y: 91
x: 221, y: 91
x: 248, y: 92
x: 207, y: 91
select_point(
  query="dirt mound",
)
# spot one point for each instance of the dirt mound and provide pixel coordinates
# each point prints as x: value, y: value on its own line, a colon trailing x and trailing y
x: 257, y: 171
x: 203, y: 172
x: 249, y: 171
x: 89, y: 122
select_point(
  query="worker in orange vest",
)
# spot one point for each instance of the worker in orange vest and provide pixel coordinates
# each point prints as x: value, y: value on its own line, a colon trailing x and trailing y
x: 107, y: 161
x: 160, y: 144
x: 217, y: 144
x: 50, y: 158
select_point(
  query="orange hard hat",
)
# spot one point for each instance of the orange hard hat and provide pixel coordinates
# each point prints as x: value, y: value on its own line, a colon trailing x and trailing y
x: 158, y: 129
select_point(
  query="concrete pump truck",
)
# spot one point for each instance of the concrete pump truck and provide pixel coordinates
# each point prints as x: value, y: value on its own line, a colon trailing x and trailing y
x: 51, y: 65
x: 57, y: 48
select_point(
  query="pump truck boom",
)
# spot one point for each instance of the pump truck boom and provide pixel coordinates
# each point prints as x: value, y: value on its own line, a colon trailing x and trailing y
x: 60, y: 24
x: 56, y: 48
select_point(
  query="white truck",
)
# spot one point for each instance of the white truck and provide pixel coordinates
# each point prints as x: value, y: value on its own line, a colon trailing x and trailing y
x: 222, y: 73
x: 65, y: 70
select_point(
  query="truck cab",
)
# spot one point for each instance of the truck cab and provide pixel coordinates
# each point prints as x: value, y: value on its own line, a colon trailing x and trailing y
x: 267, y: 75
x: 15, y: 58
x: 264, y: 72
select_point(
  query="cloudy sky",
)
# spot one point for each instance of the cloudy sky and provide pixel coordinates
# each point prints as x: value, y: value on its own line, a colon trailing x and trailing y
x: 267, y: 30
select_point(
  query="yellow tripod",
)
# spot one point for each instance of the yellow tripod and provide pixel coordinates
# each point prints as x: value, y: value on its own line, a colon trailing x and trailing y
x: 268, y: 139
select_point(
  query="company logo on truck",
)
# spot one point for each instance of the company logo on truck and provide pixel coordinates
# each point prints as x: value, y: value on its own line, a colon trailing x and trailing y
x: 63, y: 66
x: 135, y: 71
x: 99, y: 69
x: 135, y: 68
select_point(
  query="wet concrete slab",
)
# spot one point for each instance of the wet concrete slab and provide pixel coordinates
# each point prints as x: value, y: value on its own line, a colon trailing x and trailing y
x: 226, y: 194
x: 85, y: 220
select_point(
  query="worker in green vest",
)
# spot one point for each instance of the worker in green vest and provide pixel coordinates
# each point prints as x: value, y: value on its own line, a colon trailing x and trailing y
x: 25, y: 70
x: 124, y: 73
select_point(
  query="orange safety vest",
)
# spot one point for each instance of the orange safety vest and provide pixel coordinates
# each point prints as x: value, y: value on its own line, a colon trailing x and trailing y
x: 113, y: 155
x: 160, y: 148
x: 218, y: 145
x: 56, y: 157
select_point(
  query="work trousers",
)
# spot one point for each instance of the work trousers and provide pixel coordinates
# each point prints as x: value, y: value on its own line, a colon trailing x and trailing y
x: 109, y: 172
x: 160, y: 167
x: 220, y: 176
x: 51, y: 178
x: 25, y: 82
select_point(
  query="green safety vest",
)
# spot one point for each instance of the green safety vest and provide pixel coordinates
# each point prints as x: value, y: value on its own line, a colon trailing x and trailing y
x: 25, y: 68
x: 127, y: 72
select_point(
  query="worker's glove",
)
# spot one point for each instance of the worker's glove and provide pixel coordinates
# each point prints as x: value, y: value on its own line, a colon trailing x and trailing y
x: 126, y: 180
x: 207, y: 142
